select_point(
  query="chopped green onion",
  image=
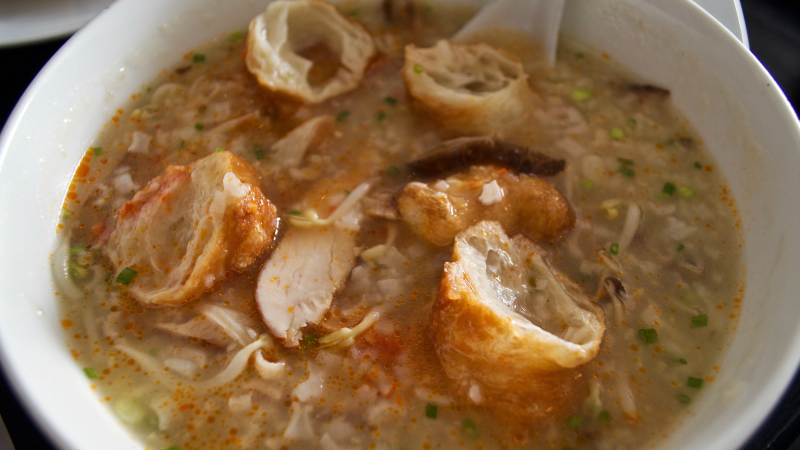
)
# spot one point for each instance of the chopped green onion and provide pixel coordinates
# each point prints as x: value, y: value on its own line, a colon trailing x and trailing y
x: 183, y: 144
x: 78, y: 271
x: 199, y: 126
x: 126, y: 276
x: 616, y: 133
x: 152, y: 352
x: 259, y: 151
x: 354, y: 12
x: 77, y: 249
x: 681, y: 248
x: 380, y: 116
x: 682, y: 361
x: 469, y: 424
x: 581, y: 94
x: 670, y: 141
x: 668, y: 189
x: 698, y: 165
x: 98, y: 151
x: 390, y: 100
x: 220, y: 149
x: 198, y: 57
x: 430, y: 410
x: 693, y: 382
x: 417, y: 68
x: 346, y: 192
x: 393, y: 171
x: 587, y: 184
x: 66, y: 215
x: 152, y: 421
x: 684, y: 399
x: 295, y: 212
x: 579, y: 55
x: 625, y: 161
x: 699, y: 321
x: 309, y: 342
x: 614, y: 249
x: 173, y: 447
x: 632, y: 122
x: 627, y: 171
x: 686, y: 192
x: 342, y: 115
x: 149, y: 89
x: 109, y: 277
x: 648, y: 335
x: 235, y: 36
x: 574, y: 422
x: 604, y: 417
x: 90, y: 373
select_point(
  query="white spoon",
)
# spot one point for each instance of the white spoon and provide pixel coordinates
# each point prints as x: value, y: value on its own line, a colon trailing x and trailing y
x: 540, y: 19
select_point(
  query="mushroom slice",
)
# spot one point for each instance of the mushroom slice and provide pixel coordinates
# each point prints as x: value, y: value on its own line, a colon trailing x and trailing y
x: 188, y: 227
x: 439, y: 210
x: 307, y: 50
x: 505, y: 318
x: 296, y: 286
x: 471, y: 89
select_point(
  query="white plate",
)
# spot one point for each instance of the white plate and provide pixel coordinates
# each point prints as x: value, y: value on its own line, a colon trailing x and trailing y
x: 26, y: 21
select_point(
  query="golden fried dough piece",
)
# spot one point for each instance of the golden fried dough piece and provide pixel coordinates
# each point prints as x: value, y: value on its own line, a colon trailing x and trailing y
x: 504, y: 318
x: 470, y: 89
x: 438, y: 211
x: 307, y: 50
x: 189, y: 226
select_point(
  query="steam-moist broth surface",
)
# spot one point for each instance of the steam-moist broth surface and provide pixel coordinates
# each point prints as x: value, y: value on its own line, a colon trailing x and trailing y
x: 622, y: 144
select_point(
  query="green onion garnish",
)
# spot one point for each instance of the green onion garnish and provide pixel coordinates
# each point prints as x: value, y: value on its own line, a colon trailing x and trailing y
x: 126, y: 276
x: 581, y: 94
x: 309, y: 342
x: 78, y: 271
x: 66, y: 215
x: 668, y: 189
x: 574, y: 422
x: 698, y: 165
x: 587, y: 184
x: 183, y: 144
x: 686, y: 192
x: 259, y: 151
x: 604, y: 417
x: 684, y: 399
x: 90, y: 373
x: 152, y: 352
x: 346, y: 192
x: 393, y: 171
x: 342, y: 116
x: 198, y: 57
x: 670, y: 141
x: 173, y: 447
x: 625, y: 161
x: 295, y: 212
x: 616, y: 133
x: 699, y: 321
x: 235, y: 36
x: 693, y: 382
x: 469, y: 424
x: 417, y: 68
x: 77, y: 249
x: 149, y: 89
x: 614, y: 249
x: 627, y: 171
x: 632, y: 122
x: 579, y: 55
x: 681, y: 248
x: 380, y: 116
x: 98, y: 151
x: 430, y: 410
x: 390, y: 100
x: 220, y: 149
x: 682, y: 361
x: 199, y: 126
x: 648, y: 335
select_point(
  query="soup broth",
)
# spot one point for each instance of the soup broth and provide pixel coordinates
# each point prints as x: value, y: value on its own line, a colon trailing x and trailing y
x: 655, y: 243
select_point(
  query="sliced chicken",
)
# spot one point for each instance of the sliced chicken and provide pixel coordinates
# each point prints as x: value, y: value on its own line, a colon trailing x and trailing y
x: 470, y: 89
x: 188, y: 227
x: 505, y: 319
x: 439, y: 210
x: 307, y: 50
x: 296, y: 286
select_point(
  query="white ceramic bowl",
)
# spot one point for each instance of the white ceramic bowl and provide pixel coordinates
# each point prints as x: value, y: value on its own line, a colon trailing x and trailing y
x: 732, y: 102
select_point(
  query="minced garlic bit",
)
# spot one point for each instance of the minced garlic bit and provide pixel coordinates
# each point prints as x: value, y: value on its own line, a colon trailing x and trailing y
x: 491, y: 194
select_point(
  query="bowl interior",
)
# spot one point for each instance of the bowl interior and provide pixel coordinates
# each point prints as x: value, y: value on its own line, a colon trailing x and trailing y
x: 731, y: 101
